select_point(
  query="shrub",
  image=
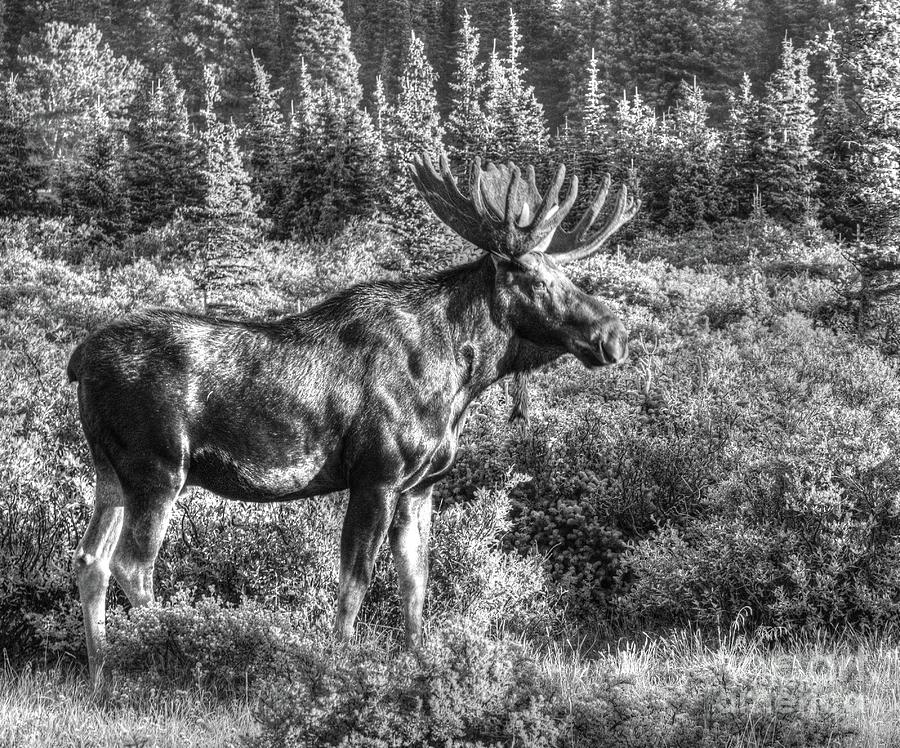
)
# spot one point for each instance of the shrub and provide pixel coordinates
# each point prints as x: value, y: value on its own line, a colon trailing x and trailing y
x: 287, y: 557
x: 464, y: 688
x: 203, y: 642
x: 468, y: 689
x: 802, y: 528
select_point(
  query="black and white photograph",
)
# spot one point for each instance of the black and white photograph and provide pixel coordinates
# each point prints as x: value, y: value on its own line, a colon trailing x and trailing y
x: 421, y: 373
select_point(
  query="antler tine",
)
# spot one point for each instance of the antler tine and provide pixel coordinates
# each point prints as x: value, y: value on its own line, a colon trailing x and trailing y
x: 510, y: 216
x: 626, y: 208
x: 450, y: 180
x: 475, y: 195
x: 551, y: 199
x: 571, y: 197
x: 593, y: 211
x: 532, y: 182
x: 569, y: 246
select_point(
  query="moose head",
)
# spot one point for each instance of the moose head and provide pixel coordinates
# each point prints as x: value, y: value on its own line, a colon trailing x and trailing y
x: 506, y: 215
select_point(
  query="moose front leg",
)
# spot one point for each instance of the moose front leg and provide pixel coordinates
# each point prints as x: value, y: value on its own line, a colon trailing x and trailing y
x: 409, y: 532
x: 369, y: 515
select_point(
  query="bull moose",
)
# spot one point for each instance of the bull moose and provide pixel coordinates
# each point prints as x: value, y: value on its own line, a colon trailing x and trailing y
x: 366, y: 391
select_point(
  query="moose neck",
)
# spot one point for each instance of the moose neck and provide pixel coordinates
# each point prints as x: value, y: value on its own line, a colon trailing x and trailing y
x: 481, y: 331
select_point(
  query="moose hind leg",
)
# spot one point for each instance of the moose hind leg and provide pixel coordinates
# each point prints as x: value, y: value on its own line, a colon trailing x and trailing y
x: 366, y: 524
x: 409, y: 535
x: 144, y: 525
x: 91, y: 563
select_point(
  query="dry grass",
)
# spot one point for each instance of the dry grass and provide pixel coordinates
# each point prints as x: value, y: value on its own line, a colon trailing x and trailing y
x: 55, y: 707
x: 58, y: 708
x: 863, y: 672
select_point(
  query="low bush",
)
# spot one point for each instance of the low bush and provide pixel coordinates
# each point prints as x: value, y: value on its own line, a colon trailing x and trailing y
x: 204, y: 642
x: 468, y: 689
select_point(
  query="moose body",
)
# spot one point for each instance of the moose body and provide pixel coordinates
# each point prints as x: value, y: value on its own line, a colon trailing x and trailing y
x: 367, y: 391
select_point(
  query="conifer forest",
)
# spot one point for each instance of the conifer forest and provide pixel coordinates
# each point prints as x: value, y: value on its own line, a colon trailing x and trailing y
x: 696, y: 546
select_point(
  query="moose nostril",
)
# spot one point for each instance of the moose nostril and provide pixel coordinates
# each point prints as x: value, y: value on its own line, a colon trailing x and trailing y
x: 615, y: 349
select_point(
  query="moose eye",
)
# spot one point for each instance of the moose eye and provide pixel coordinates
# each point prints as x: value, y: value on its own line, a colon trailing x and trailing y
x: 538, y: 285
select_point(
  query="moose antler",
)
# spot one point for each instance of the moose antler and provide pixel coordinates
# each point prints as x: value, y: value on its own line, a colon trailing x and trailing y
x: 497, y: 214
x: 567, y: 246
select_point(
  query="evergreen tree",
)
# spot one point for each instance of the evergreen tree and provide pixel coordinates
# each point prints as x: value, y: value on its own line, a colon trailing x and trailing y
x: 543, y: 36
x: 836, y: 144
x: 875, y: 65
x: 695, y: 196
x: 636, y: 145
x: 258, y: 21
x: 301, y: 157
x: 381, y: 108
x: 800, y: 20
x: 225, y: 222
x: 95, y: 193
x: 69, y: 78
x: 321, y: 41
x: 163, y: 162
x: 518, y: 129
x: 349, y: 166
x: 655, y: 44
x: 594, y: 114
x: 418, y: 126
x: 263, y: 138
x: 20, y: 168
x: 414, y: 127
x: 741, y: 151
x: 200, y: 34
x: 787, y: 178
x: 590, y: 149
x: 467, y: 126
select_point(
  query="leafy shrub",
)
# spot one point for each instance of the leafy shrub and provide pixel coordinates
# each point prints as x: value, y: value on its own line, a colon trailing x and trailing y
x: 286, y: 557
x: 802, y: 529
x: 467, y: 689
x: 463, y: 689
x: 203, y: 642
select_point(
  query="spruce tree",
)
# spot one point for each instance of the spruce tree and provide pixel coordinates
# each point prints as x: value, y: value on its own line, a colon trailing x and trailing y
x: 414, y: 128
x: 590, y: 149
x: 655, y: 44
x: 695, y: 196
x: 875, y: 65
x: 258, y: 20
x: 836, y: 144
x: 381, y: 108
x: 95, y: 193
x: 263, y: 137
x: 467, y: 126
x: 594, y: 113
x: 391, y: 31
x: 205, y: 34
x: 635, y: 143
x: 301, y: 157
x: 21, y: 172
x: 741, y: 151
x: 321, y: 41
x: 163, y: 162
x: 350, y: 166
x: 518, y: 128
x: 787, y: 178
x: 225, y: 222
x: 69, y: 76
